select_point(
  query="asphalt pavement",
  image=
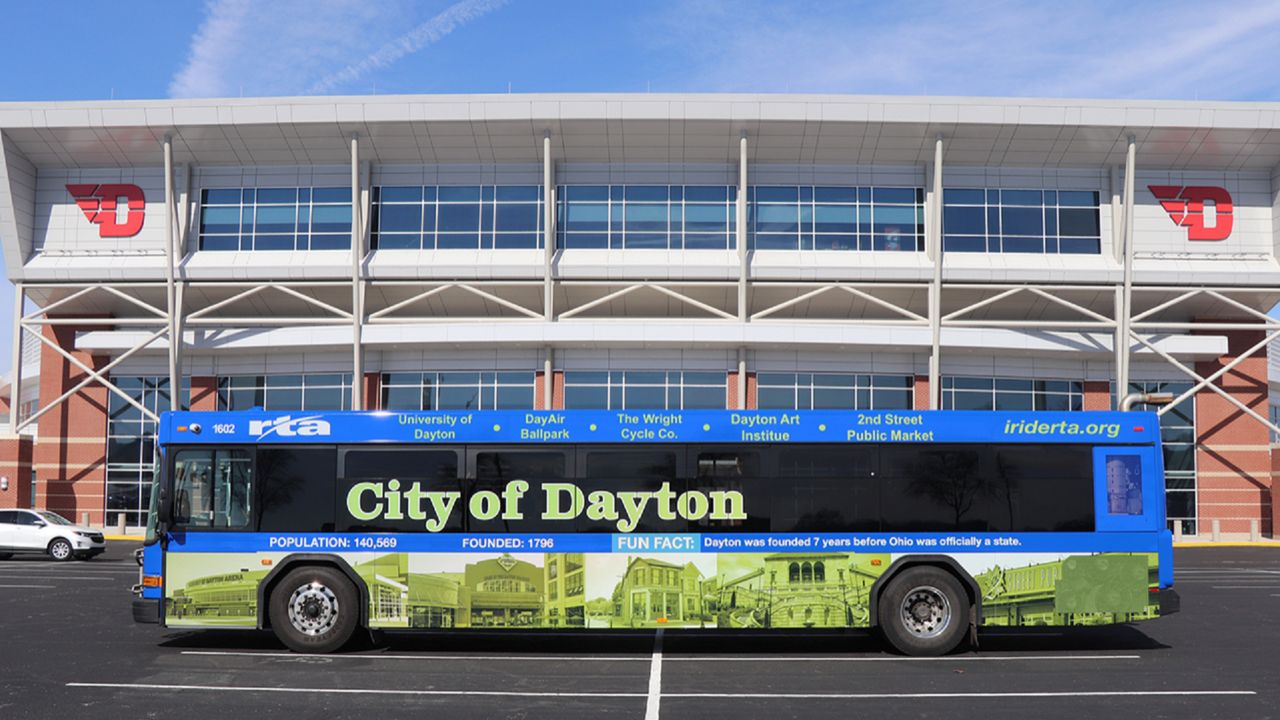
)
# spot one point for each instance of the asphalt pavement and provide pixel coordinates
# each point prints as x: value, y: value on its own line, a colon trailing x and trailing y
x: 69, y: 649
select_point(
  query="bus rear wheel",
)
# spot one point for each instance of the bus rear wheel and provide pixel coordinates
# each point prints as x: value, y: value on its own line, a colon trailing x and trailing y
x: 314, y: 609
x: 924, y: 611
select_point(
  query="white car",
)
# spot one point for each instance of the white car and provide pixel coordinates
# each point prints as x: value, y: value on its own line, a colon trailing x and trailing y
x: 41, y: 531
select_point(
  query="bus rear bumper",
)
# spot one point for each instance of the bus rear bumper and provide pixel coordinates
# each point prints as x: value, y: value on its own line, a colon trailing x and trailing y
x: 1169, y: 601
x: 146, y: 610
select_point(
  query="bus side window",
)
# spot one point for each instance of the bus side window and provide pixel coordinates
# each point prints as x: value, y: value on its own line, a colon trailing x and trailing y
x: 732, y: 472
x: 1124, y: 484
x: 936, y: 488
x: 212, y: 488
x: 617, y: 470
x: 496, y: 468
x: 430, y: 469
x: 296, y: 488
x: 826, y: 489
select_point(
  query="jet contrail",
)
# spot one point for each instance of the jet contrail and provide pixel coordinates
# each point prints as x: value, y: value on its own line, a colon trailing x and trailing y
x: 428, y: 33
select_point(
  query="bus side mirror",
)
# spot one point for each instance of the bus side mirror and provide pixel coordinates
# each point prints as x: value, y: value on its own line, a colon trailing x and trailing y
x: 164, y: 513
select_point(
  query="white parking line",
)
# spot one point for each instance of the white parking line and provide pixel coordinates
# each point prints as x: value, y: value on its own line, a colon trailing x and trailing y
x: 1246, y: 587
x: 676, y: 658
x: 957, y: 695
x: 726, y: 696
x: 529, y: 658
x: 27, y: 586
x: 655, y: 679
x: 64, y: 577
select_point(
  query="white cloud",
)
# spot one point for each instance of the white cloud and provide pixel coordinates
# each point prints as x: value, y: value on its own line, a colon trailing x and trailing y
x: 426, y: 34
x: 287, y: 47
x: 1175, y: 49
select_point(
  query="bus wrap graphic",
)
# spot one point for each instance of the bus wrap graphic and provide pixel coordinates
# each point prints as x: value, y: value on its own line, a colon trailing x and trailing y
x: 697, y: 590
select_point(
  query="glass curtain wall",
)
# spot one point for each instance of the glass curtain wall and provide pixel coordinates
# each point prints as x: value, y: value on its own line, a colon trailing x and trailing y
x: 131, y: 444
x: 505, y: 390
x: 275, y: 218
x: 836, y: 218
x: 1178, y: 437
x: 692, y: 217
x: 645, y: 390
x: 974, y: 393
x: 1021, y: 221
x: 833, y: 391
x: 464, y: 217
x: 313, y: 391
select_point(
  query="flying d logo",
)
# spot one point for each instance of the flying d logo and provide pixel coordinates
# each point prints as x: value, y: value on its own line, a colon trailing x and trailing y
x: 100, y: 202
x: 1185, y: 206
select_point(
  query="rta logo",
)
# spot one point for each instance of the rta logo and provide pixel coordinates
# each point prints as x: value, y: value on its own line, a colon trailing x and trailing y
x: 99, y: 204
x: 1185, y: 206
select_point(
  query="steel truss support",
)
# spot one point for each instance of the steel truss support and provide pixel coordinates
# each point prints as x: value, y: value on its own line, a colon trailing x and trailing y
x: 1143, y: 327
x: 663, y: 288
x: 478, y: 289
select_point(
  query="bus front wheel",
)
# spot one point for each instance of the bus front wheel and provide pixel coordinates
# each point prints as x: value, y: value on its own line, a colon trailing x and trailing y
x: 314, y: 610
x: 924, y: 611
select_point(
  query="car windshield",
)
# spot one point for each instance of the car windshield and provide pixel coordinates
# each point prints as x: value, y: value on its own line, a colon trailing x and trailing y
x: 53, y: 518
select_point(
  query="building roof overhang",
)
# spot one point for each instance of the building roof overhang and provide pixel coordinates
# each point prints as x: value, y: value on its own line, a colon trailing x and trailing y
x: 648, y: 128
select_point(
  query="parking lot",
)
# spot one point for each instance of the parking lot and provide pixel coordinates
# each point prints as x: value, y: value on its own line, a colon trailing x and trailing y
x: 70, y: 649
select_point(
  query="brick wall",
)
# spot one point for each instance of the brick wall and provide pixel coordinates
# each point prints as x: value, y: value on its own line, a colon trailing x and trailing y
x: 204, y: 393
x: 1097, y: 395
x: 920, y: 392
x: 1233, y: 456
x: 70, y: 456
x: 731, y: 398
x: 372, y: 391
x: 15, y: 464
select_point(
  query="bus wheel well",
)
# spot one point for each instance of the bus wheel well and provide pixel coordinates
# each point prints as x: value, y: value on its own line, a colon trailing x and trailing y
x: 292, y: 562
x: 942, y: 562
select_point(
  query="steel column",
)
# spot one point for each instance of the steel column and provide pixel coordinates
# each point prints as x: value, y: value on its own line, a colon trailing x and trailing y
x: 740, y: 231
x: 170, y: 219
x: 934, y: 241
x: 548, y: 230
x: 1126, y: 309
x: 15, y: 385
x: 357, y: 319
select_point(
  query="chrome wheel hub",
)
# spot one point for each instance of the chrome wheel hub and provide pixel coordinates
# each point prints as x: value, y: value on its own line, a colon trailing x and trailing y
x: 926, y: 612
x: 313, y: 609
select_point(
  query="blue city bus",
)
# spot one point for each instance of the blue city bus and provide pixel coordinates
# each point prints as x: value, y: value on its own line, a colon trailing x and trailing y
x: 926, y: 526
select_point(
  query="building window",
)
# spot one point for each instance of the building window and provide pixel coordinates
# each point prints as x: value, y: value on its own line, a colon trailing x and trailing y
x: 691, y: 217
x: 1178, y: 439
x: 645, y: 390
x: 1273, y: 414
x: 131, y: 444
x: 969, y: 393
x: 320, y: 391
x: 275, y: 218
x: 831, y: 391
x: 1021, y: 221
x: 458, y: 390
x: 462, y: 217
x: 836, y: 218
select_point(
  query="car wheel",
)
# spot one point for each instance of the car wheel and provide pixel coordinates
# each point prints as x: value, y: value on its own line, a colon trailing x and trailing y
x: 924, y: 611
x: 60, y: 549
x: 314, y: 610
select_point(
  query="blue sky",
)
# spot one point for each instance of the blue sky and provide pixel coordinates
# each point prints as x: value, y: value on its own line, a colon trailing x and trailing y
x: 153, y: 49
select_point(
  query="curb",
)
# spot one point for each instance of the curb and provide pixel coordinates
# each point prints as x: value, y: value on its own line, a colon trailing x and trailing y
x: 134, y: 538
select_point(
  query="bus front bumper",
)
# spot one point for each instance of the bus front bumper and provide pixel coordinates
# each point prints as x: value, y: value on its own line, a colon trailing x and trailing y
x: 1169, y: 601
x: 146, y: 610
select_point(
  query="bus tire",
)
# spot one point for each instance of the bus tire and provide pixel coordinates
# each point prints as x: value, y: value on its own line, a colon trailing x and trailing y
x: 924, y: 611
x: 314, y: 609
